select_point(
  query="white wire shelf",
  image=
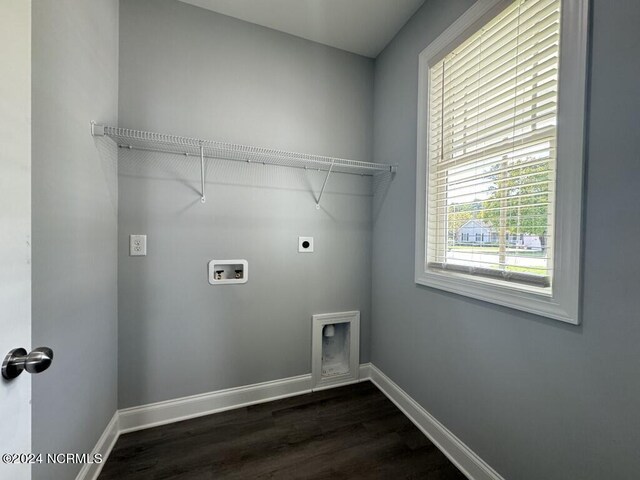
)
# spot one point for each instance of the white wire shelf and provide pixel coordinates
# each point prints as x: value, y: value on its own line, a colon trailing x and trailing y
x: 186, y: 146
x: 150, y: 141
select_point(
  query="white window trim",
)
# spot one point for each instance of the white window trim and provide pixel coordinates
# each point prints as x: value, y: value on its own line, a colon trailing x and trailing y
x: 564, y: 303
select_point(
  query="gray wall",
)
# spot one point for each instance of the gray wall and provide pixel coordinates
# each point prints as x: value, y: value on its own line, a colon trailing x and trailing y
x: 533, y: 397
x: 74, y: 185
x: 188, y: 71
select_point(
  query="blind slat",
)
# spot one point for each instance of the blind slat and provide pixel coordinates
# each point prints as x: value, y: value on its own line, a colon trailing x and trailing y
x: 479, y: 183
x: 540, y: 36
x: 495, y: 132
x: 491, y: 35
x: 504, y: 84
x: 484, y: 177
x: 529, y: 139
x: 502, y: 73
x: 516, y: 277
x: 495, y: 112
x: 477, y: 132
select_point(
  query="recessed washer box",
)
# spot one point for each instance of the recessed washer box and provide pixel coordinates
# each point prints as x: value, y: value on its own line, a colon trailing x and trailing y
x: 228, y: 272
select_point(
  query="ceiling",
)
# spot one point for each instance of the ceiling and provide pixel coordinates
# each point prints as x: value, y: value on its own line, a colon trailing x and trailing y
x: 364, y: 27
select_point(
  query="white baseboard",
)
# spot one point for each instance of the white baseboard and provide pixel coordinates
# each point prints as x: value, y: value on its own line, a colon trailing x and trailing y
x: 363, y: 375
x: 460, y: 455
x: 107, y: 440
x: 161, y: 413
x: 365, y: 372
x: 170, y: 411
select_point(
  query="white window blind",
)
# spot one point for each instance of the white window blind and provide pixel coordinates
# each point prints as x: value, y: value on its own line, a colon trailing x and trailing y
x: 492, y: 148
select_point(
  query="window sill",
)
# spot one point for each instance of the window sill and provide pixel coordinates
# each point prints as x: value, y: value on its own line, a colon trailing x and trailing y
x: 529, y: 299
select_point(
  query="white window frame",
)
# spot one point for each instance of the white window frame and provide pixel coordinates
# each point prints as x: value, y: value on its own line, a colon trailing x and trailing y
x: 564, y: 302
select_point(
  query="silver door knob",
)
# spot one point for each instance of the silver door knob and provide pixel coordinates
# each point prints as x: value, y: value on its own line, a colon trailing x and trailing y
x: 18, y: 360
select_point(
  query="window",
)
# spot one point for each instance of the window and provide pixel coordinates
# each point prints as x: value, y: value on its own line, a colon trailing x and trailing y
x: 491, y: 100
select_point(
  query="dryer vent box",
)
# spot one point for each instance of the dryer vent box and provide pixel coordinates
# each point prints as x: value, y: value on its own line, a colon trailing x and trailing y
x: 336, y: 349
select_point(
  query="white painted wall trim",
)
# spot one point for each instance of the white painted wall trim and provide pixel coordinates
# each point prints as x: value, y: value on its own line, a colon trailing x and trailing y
x: 365, y: 372
x: 170, y: 411
x: 91, y: 471
x: 461, y: 455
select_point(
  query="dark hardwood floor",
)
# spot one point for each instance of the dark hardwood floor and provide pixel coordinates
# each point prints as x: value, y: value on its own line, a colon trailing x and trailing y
x: 342, y: 433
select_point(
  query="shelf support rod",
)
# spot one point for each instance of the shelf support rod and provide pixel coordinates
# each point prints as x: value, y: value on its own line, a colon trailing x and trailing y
x: 324, y: 185
x: 203, y: 199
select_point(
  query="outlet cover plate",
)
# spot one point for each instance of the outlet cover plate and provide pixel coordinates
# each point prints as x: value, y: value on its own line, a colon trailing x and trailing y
x: 305, y: 244
x: 137, y: 245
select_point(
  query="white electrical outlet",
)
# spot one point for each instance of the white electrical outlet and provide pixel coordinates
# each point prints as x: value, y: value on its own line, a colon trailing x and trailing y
x: 305, y: 244
x: 137, y: 245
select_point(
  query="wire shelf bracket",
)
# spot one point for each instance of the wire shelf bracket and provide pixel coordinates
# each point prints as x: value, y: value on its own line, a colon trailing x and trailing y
x: 324, y: 184
x: 203, y: 198
x: 187, y: 146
